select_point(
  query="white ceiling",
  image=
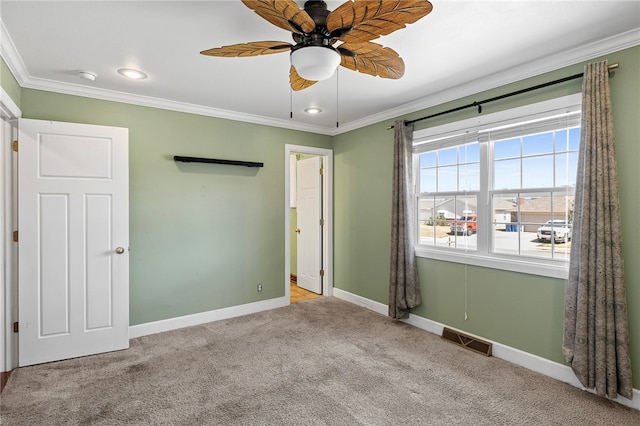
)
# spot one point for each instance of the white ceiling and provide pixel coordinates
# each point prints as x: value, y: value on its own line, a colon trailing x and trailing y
x: 462, y: 47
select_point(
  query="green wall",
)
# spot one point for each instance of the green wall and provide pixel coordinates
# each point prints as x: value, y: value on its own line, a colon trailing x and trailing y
x: 9, y: 83
x: 519, y: 310
x: 202, y: 235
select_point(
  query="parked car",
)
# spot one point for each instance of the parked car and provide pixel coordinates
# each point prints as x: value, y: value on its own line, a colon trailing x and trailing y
x: 560, y: 230
x: 465, y: 225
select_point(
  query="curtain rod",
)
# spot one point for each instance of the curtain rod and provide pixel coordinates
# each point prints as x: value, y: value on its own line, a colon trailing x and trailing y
x: 478, y: 104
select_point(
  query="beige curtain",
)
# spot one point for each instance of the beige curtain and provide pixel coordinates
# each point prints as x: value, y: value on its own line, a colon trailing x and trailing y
x: 596, y: 336
x: 404, y: 288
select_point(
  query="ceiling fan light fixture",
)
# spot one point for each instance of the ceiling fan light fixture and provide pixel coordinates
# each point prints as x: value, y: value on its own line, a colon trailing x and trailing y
x: 132, y: 73
x: 315, y: 63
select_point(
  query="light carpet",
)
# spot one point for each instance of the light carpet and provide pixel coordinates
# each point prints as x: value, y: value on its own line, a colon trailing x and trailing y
x: 318, y: 362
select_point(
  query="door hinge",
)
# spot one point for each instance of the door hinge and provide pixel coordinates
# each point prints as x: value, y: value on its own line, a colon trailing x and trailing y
x: 321, y: 171
x: 14, y: 146
x: 322, y: 272
x: 321, y: 222
x: 15, y: 236
x: 15, y: 327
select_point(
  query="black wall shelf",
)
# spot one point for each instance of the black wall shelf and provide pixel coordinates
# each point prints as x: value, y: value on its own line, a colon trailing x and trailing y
x: 217, y: 161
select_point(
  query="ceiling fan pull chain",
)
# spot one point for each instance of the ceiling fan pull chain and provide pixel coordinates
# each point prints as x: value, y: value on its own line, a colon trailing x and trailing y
x: 337, y: 94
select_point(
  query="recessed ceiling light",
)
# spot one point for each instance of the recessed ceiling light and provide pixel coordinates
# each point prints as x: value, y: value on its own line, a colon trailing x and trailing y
x: 87, y: 75
x: 132, y: 73
x: 313, y: 110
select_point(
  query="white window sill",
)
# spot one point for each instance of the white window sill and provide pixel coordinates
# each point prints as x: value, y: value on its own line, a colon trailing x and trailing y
x: 542, y: 267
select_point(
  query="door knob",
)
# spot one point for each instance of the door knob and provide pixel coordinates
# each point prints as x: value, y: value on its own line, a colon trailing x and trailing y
x: 120, y: 250
x: 297, y: 230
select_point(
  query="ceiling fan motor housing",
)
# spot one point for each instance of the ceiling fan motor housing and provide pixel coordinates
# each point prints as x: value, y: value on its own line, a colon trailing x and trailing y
x: 317, y: 10
x: 320, y: 36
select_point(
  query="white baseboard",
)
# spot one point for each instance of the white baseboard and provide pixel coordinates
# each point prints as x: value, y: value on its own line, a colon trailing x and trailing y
x: 372, y: 305
x: 552, y: 369
x: 204, y: 317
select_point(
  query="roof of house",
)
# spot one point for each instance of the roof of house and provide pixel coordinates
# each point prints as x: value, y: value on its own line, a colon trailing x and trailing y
x: 543, y: 204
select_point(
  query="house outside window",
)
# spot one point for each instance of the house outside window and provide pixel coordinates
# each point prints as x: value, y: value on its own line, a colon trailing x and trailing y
x: 498, y: 191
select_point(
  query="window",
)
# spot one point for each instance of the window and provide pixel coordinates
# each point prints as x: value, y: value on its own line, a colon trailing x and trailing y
x: 498, y: 191
x: 449, y: 185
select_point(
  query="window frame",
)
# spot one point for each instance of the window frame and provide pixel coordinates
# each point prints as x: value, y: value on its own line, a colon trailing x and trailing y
x: 436, y: 137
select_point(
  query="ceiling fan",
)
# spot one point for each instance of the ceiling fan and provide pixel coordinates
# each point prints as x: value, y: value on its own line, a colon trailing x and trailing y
x: 316, y: 30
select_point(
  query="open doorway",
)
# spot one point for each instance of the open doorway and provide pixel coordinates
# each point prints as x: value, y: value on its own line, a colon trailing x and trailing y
x: 310, y: 262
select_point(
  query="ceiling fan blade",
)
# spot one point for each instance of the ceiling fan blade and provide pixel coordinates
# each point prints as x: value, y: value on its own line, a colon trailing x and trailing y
x: 282, y: 13
x: 371, y: 58
x: 363, y: 20
x: 249, y: 49
x: 297, y: 82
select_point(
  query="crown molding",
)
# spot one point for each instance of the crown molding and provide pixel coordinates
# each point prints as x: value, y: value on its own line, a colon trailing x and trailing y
x: 533, y: 68
x: 11, y: 57
x: 148, y: 101
x: 530, y: 69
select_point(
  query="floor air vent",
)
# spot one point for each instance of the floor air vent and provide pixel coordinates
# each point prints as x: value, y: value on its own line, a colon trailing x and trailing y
x: 470, y: 342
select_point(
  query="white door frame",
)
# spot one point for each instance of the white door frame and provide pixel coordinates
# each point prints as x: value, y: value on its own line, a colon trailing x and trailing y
x: 327, y: 214
x: 9, y: 113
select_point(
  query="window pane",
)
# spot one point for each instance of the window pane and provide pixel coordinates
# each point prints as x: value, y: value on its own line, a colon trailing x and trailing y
x: 505, y: 211
x: 505, y: 238
x: 433, y: 220
x: 428, y: 159
x: 427, y: 180
x: 574, y: 138
x: 425, y: 222
x: 470, y: 177
x: 505, y: 223
x: 554, y: 235
x: 562, y: 142
x: 448, y: 156
x: 506, y: 241
x: 507, y: 149
x: 448, y: 178
x: 465, y: 205
x: 553, y: 240
x: 425, y: 208
x: 470, y: 153
x: 537, y: 172
x: 562, y: 207
x: 537, y: 144
x: 507, y: 174
x: 533, y: 224
x: 463, y: 230
x: 566, y: 169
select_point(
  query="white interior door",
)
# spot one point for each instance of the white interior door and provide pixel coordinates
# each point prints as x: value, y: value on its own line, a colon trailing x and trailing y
x: 309, y: 230
x: 73, y: 224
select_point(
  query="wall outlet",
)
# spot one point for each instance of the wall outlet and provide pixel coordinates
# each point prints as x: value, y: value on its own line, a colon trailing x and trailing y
x: 259, y: 288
